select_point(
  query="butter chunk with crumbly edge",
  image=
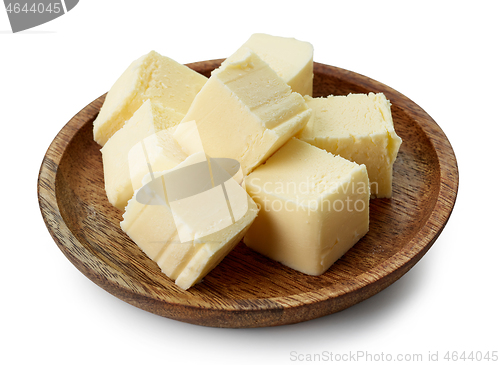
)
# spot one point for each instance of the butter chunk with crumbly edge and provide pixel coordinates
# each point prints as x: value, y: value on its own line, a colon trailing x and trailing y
x: 159, y: 226
x: 358, y: 127
x: 245, y: 111
x: 143, y: 143
x: 154, y: 77
x: 314, y: 207
x: 290, y: 58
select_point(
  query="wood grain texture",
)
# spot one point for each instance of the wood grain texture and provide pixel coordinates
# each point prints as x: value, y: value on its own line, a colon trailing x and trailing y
x: 247, y: 289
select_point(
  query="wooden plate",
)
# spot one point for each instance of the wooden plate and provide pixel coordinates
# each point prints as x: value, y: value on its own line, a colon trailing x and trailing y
x: 247, y: 289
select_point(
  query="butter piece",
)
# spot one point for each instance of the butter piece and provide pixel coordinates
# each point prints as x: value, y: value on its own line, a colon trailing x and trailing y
x: 143, y: 143
x: 189, y: 218
x: 244, y: 112
x: 313, y: 207
x: 290, y: 58
x: 154, y: 77
x: 358, y: 127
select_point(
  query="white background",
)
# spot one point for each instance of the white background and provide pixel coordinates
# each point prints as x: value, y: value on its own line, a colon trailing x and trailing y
x: 442, y: 55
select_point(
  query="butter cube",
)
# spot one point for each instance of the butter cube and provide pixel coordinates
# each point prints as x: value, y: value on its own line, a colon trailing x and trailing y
x: 154, y: 77
x: 143, y: 143
x: 189, y: 218
x: 290, y: 58
x: 313, y: 207
x: 358, y: 127
x: 244, y: 112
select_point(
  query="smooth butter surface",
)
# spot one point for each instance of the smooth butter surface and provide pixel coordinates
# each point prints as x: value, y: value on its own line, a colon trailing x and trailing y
x: 154, y: 77
x: 290, y: 58
x: 313, y: 207
x: 244, y: 112
x: 358, y: 127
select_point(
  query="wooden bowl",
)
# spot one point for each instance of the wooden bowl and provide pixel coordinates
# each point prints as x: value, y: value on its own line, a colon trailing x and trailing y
x: 247, y: 289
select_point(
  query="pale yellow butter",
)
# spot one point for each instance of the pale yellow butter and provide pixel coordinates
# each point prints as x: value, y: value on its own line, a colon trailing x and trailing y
x: 358, y: 127
x: 313, y: 207
x: 154, y: 77
x: 244, y: 112
x: 141, y: 145
x: 188, y: 236
x: 290, y: 58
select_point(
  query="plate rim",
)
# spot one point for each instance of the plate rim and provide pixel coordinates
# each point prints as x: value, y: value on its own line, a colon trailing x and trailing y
x: 366, y: 284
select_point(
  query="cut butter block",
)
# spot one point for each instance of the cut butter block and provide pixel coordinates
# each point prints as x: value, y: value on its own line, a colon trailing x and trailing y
x: 189, y: 218
x: 358, y: 127
x: 154, y: 77
x: 244, y: 112
x: 290, y: 58
x: 143, y: 143
x: 313, y: 207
